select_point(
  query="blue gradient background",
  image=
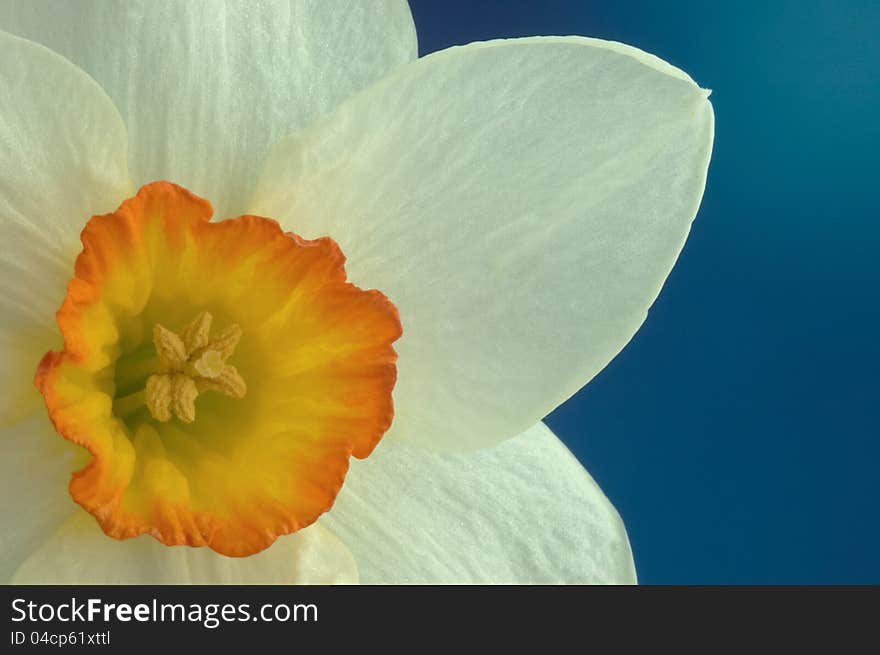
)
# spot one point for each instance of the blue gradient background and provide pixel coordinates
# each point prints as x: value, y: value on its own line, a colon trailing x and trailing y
x: 737, y: 434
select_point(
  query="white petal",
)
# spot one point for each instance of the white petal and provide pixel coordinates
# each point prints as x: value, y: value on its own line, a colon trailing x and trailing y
x: 79, y: 553
x: 62, y: 159
x: 525, y: 511
x: 206, y: 87
x: 522, y: 203
x: 35, y: 470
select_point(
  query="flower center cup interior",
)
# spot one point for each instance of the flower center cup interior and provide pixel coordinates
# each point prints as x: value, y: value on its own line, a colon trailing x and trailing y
x: 246, y: 461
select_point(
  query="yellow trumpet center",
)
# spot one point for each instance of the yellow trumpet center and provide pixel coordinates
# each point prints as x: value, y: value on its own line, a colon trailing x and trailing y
x: 182, y: 447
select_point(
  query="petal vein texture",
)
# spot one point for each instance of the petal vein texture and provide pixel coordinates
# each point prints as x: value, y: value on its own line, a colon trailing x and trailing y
x: 521, y: 202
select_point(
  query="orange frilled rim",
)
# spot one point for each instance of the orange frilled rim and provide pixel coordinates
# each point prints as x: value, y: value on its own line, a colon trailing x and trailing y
x: 316, y: 353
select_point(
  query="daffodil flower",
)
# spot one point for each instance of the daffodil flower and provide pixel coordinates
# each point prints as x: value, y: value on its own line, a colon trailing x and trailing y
x: 508, y: 211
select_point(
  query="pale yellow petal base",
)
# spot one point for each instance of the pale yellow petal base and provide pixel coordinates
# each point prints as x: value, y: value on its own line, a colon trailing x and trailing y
x: 80, y: 553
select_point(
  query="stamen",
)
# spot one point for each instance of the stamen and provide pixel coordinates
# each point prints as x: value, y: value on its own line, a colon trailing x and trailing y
x: 169, y: 347
x: 227, y: 341
x: 189, y: 364
x: 229, y: 382
x: 195, y: 335
x: 183, y: 397
x: 158, y: 397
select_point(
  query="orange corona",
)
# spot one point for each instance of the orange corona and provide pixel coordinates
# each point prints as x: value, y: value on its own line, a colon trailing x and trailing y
x: 206, y: 442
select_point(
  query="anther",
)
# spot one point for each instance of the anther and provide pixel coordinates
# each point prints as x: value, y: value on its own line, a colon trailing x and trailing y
x: 189, y: 364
